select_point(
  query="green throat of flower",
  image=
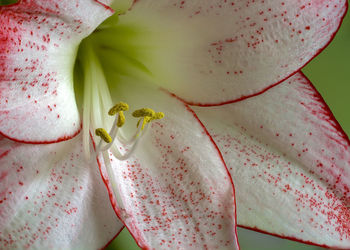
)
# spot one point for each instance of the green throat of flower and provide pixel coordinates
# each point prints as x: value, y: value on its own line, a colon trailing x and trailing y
x: 102, y: 55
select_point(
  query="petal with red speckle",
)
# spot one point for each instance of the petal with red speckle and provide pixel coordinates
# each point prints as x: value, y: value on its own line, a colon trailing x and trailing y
x: 210, y: 52
x: 290, y: 161
x: 39, y: 41
x: 174, y: 191
x: 51, y: 198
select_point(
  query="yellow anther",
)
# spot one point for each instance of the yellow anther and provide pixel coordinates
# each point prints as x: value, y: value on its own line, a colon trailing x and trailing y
x: 122, y: 106
x: 158, y: 116
x: 143, y: 112
x: 121, y: 119
x: 104, y: 135
x: 147, y: 119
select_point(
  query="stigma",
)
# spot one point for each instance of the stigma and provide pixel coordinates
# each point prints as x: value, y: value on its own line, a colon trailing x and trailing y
x: 112, y: 139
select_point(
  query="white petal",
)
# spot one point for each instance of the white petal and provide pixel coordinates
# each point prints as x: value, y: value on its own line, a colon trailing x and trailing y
x: 51, y: 198
x: 209, y: 52
x: 174, y: 191
x: 290, y: 161
x: 39, y: 41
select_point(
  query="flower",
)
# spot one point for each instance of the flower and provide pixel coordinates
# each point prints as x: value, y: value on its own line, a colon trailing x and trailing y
x: 173, y: 190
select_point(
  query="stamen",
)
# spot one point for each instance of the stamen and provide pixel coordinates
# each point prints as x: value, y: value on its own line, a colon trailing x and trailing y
x: 104, y: 135
x: 122, y: 106
x: 143, y: 112
x: 148, y: 119
x: 121, y: 119
x: 146, y: 116
x: 118, y: 122
x: 158, y: 116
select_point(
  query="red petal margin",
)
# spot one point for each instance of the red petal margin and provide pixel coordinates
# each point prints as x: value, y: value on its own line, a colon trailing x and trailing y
x: 60, y: 139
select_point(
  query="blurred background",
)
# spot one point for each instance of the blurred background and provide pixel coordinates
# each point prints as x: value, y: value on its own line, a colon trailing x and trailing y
x: 330, y: 73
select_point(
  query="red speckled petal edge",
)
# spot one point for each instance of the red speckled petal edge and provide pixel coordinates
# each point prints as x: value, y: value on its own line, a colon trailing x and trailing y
x: 175, y: 191
x: 228, y: 51
x: 39, y: 40
x: 290, y: 161
x: 51, y: 198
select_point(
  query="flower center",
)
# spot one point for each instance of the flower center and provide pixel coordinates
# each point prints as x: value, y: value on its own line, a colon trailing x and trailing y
x: 99, y: 55
x: 113, y: 139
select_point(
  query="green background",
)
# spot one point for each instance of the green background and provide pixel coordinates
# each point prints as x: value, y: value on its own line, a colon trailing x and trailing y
x: 330, y: 73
